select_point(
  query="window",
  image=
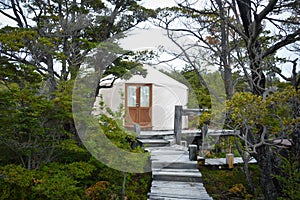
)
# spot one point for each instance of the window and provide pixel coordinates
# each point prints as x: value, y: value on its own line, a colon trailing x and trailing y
x: 145, y: 92
x: 131, y: 96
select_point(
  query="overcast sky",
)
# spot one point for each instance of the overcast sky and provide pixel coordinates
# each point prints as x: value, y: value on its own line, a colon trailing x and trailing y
x: 158, y: 3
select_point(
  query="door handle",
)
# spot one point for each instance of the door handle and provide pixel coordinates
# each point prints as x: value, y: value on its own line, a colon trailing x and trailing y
x: 137, y: 105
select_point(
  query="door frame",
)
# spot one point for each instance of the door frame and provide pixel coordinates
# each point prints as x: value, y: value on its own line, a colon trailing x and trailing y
x: 130, y: 124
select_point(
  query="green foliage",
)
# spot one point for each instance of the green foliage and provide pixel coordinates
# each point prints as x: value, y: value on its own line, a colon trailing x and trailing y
x: 52, y: 181
x: 290, y: 177
x: 197, y: 92
x: 100, y: 190
x: 15, y: 39
x: 36, y: 122
x: 138, y: 185
x: 229, y: 184
x: 247, y: 108
x: 238, y: 190
x: 15, y: 182
x: 77, y: 180
x: 275, y: 111
x: 114, y: 131
x: 262, y: 121
x: 33, y: 127
x: 108, y: 183
x: 204, y: 118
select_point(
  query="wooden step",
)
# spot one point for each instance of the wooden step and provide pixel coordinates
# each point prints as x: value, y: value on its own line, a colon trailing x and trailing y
x: 174, y: 176
x: 177, y: 175
x: 154, y: 142
x: 156, y: 135
x: 176, y: 184
x: 177, y: 190
x: 174, y: 165
x: 155, y: 196
x: 168, y: 197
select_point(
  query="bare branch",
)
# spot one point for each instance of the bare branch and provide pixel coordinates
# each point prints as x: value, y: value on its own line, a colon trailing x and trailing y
x: 289, y: 39
x: 269, y: 8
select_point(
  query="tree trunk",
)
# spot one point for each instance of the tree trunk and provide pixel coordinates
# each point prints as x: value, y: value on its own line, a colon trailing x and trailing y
x: 257, y: 76
x: 124, y: 186
x: 246, y: 157
x: 266, y: 163
x: 252, y: 30
x: 248, y: 176
x: 225, y: 54
x: 51, y: 79
x: 296, y: 129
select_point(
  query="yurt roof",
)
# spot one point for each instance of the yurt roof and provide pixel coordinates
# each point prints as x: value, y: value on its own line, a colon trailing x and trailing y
x: 153, y: 76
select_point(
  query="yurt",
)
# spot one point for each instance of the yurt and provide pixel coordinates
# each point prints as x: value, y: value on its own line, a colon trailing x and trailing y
x: 148, y: 101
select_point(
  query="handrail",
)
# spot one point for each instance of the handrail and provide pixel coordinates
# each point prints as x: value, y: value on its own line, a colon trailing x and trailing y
x: 192, y: 111
x: 179, y: 112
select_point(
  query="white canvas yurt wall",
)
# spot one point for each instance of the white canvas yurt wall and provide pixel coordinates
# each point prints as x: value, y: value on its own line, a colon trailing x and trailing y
x: 166, y: 93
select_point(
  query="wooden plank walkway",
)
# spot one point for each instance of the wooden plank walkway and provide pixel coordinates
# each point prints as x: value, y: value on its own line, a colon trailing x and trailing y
x: 174, y: 176
x: 222, y: 161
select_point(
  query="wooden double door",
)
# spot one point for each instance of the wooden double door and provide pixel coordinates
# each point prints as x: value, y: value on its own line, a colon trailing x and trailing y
x: 138, y: 100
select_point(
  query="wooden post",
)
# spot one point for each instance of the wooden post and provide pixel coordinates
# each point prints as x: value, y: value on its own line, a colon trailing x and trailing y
x: 137, y: 128
x: 204, y: 132
x: 178, y: 123
x: 193, y: 152
x: 229, y: 160
x: 183, y: 143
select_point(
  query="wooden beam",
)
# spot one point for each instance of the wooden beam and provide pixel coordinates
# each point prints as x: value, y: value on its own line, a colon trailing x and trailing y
x: 194, y: 112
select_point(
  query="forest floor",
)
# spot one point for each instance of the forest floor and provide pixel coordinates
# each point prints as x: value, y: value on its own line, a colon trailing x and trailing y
x: 230, y: 184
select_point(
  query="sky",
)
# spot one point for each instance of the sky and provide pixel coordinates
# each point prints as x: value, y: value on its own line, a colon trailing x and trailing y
x: 158, y: 3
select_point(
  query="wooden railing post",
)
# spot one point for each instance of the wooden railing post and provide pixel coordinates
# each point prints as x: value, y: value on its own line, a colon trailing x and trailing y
x: 178, y: 123
x: 193, y: 152
x: 230, y: 160
x: 204, y: 132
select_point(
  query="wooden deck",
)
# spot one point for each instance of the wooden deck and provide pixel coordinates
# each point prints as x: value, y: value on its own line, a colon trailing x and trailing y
x: 222, y: 161
x: 174, y: 176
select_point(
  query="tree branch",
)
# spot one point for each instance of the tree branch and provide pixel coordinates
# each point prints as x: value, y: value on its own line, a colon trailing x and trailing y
x: 289, y: 39
x: 266, y: 11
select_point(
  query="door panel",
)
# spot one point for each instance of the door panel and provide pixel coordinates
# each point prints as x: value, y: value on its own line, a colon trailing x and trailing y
x: 144, y: 117
x: 138, y: 104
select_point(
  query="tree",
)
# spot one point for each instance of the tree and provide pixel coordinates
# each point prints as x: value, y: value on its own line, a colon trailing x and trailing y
x: 62, y: 33
x: 260, y: 50
x: 209, y: 46
x: 254, y: 25
x: 33, y: 128
x: 273, y: 116
x: 246, y: 35
x: 40, y: 58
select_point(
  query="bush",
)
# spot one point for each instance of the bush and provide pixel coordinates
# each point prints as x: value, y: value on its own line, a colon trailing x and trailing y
x: 51, y: 181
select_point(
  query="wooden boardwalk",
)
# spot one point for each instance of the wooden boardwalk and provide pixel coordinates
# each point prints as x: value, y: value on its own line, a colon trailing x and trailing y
x: 222, y: 161
x: 174, y: 176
